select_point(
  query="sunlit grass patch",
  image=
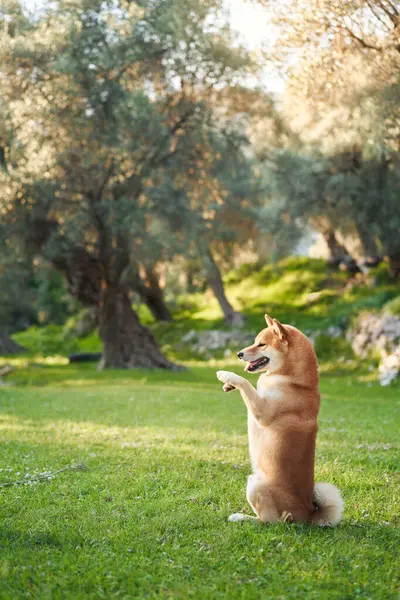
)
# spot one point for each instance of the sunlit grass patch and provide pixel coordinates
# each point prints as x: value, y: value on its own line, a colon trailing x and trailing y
x: 166, y: 462
x: 33, y: 360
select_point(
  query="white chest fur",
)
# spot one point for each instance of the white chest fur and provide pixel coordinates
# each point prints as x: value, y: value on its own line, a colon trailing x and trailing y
x: 271, y: 387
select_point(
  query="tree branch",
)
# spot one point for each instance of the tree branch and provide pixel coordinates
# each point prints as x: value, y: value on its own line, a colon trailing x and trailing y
x: 101, y: 230
x: 106, y: 178
x: 376, y: 14
x: 158, y: 158
x: 3, y: 162
x: 363, y: 43
x: 392, y: 16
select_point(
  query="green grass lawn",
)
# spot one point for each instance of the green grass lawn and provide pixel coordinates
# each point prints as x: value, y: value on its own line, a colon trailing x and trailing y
x: 166, y: 463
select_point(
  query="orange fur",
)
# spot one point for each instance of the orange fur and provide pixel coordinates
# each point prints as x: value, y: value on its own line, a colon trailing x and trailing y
x: 282, y: 428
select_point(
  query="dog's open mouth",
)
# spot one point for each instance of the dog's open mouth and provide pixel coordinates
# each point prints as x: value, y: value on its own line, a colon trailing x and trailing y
x: 256, y: 365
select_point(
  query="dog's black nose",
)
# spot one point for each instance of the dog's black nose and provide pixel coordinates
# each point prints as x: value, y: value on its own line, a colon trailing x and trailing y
x: 240, y: 354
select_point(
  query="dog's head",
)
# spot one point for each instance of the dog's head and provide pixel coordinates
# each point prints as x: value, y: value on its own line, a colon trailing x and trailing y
x: 269, y: 349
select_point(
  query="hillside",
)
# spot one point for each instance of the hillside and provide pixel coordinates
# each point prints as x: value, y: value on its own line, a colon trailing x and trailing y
x: 301, y: 291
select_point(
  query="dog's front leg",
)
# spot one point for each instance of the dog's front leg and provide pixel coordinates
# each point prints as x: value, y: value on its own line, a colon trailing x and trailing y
x: 249, y: 394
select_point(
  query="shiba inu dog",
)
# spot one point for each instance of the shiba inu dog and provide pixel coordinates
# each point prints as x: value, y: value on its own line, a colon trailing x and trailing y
x: 282, y: 429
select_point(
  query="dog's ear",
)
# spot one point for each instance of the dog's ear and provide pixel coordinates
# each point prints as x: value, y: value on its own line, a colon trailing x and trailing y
x: 269, y: 321
x: 279, y: 330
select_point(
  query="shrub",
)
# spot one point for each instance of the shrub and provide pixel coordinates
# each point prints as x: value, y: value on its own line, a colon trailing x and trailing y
x: 393, y: 306
x: 48, y: 340
x: 329, y: 348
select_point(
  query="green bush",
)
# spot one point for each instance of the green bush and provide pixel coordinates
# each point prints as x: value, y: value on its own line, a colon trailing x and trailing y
x: 90, y: 343
x: 393, y: 306
x: 244, y: 271
x: 303, y: 263
x: 47, y: 341
x: 328, y: 348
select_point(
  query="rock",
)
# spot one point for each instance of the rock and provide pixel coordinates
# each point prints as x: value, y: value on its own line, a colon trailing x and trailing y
x: 190, y: 336
x: 312, y: 336
x: 333, y: 332
x: 375, y: 332
x: 389, y: 368
x: 313, y: 297
x: 204, y: 342
x: 214, y: 339
x: 5, y: 370
x: 378, y: 333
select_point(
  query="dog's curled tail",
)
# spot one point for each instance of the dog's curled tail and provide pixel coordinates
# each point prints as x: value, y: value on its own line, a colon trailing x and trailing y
x: 328, y: 505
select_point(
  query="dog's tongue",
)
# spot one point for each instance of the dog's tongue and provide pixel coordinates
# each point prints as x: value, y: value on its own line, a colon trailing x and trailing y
x: 250, y: 365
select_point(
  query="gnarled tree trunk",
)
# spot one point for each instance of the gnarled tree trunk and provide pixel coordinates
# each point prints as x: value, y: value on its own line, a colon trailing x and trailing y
x: 337, y: 251
x: 368, y: 243
x: 8, y: 346
x: 231, y: 317
x: 151, y: 293
x: 83, y: 274
x: 126, y: 343
x: 153, y: 298
x: 394, y: 264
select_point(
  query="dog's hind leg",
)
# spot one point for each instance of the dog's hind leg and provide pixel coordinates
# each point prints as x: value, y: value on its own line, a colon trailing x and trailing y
x: 260, y: 498
x: 236, y: 517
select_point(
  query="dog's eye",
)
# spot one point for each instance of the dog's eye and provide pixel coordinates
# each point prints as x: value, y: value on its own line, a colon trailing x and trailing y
x: 259, y: 345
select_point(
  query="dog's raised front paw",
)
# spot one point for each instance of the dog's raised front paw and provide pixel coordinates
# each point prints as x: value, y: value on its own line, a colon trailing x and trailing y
x: 227, y: 387
x: 230, y: 378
